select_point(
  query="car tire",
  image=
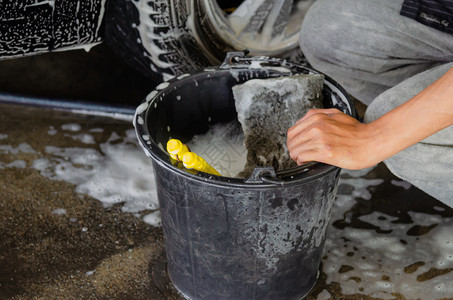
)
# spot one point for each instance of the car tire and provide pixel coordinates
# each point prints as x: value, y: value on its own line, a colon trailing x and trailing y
x: 167, y: 38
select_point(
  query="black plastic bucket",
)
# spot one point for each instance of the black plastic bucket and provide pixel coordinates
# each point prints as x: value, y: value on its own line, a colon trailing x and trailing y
x: 232, y: 238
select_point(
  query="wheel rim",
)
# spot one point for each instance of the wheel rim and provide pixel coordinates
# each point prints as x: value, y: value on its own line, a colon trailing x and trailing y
x: 264, y: 27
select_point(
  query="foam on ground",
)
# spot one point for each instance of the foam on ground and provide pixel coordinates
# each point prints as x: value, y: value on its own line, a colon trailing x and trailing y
x: 383, y: 261
x: 115, y: 171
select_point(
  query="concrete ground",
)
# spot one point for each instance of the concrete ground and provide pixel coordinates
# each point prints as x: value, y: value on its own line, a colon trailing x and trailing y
x: 97, y: 252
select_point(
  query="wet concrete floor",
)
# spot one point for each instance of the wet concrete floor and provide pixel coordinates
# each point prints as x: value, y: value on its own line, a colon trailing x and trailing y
x: 96, y: 252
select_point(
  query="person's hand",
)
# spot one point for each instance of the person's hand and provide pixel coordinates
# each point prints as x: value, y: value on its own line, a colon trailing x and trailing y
x: 331, y: 137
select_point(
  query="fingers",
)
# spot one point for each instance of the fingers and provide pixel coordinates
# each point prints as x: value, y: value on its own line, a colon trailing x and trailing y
x: 332, y: 137
x: 304, y: 155
x: 310, y: 139
x: 311, y: 149
x: 314, y: 111
x: 312, y: 117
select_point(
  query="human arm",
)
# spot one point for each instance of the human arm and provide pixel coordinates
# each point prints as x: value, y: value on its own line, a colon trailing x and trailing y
x: 332, y: 137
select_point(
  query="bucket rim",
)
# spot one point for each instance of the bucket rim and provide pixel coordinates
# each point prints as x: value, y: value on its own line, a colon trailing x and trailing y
x: 236, y: 61
x: 223, y: 181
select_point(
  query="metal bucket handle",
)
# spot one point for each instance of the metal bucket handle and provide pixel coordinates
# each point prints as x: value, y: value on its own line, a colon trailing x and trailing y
x: 239, y: 59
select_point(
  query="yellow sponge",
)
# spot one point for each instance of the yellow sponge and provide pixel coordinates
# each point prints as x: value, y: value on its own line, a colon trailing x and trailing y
x: 193, y: 161
x: 176, y: 148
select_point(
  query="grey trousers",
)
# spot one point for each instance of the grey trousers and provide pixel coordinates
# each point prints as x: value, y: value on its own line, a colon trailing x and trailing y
x: 384, y: 59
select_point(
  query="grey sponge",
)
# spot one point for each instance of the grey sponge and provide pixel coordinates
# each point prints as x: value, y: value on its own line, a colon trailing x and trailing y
x: 267, y: 108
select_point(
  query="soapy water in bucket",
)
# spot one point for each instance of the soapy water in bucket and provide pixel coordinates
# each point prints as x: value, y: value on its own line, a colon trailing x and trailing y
x: 222, y: 147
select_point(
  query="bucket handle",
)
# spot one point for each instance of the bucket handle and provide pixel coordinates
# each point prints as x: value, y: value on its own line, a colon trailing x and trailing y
x: 239, y: 59
x: 266, y: 175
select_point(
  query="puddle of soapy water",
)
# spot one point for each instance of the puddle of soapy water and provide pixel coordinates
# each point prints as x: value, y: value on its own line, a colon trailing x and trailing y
x: 113, y: 171
x: 384, y: 255
x: 368, y: 250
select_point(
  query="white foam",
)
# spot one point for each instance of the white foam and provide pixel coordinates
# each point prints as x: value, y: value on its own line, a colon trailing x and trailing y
x: 183, y: 76
x: 162, y: 86
x: 265, y: 37
x: 404, y: 184
x: 324, y: 295
x: 71, y: 127
x: 116, y: 172
x: 361, y: 186
x: 223, y: 150
x: 52, y: 131
x: 83, y: 137
x: 151, y: 95
x: 377, y: 262
x: 20, y: 164
x: 153, y: 218
x: 59, y: 211
x: 21, y: 148
x: 96, y: 130
x: 142, y: 107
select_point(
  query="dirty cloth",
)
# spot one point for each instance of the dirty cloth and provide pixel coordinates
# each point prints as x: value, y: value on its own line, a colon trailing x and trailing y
x: 369, y: 48
x: 266, y: 109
